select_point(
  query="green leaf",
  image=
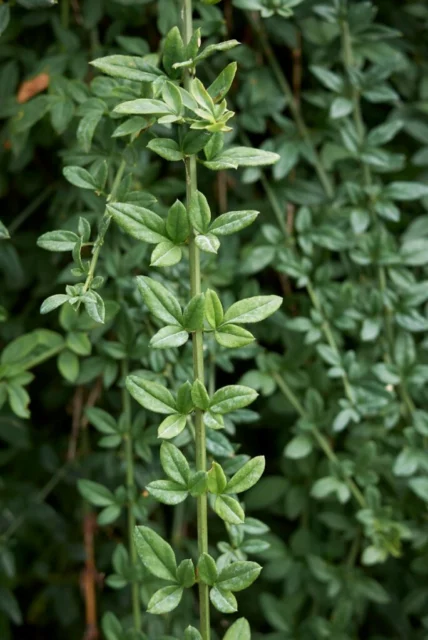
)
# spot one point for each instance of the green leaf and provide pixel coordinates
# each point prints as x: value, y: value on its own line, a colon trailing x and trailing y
x: 173, y: 51
x: 174, y: 463
x: 127, y: 67
x: 68, y: 365
x: 167, y: 491
x: 221, y: 85
x: 193, y: 314
x: 213, y: 309
x: 231, y: 398
x: 229, y: 509
x: 232, y: 336
x: 184, y: 398
x: 240, y: 630
x: 238, y: 575
x: 242, y: 157
x: 247, y: 476
x: 160, y: 301
x: 156, y: 554
x: 177, y: 223
x: 232, y: 222
x: 216, y: 479
x: 165, y: 600
x: 4, y: 232
x: 129, y: 126
x: 199, y: 212
x: 4, y: 17
x: 192, y: 634
x: 95, y: 493
x: 213, y: 420
x: 166, y: 148
x: 172, y: 426
x: 94, y: 306
x: 208, y: 243
x: 58, y: 240
x: 299, y: 447
x: 420, y: 487
x: 200, y: 395
x: 79, y: 177
x: 186, y: 574
x: 151, y: 395
x: 53, y: 302
x: 139, y: 222
x: 143, y: 107
x: 329, y: 79
x: 86, y: 129
x: 207, y: 569
x: 197, y: 484
x: 406, y: 190
x: 169, y: 337
x: 101, y: 420
x: 165, y: 254
x: 223, y: 600
x: 252, y: 309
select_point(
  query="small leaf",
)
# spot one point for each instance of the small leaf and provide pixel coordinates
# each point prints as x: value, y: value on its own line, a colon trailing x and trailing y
x: 247, y: 476
x: 240, y: 630
x: 144, y: 106
x: 94, y: 306
x: 232, y: 222
x: 223, y: 600
x: 53, y: 302
x: 166, y: 148
x: 238, y: 575
x: 165, y: 600
x: 68, y: 365
x: 193, y: 314
x: 197, y: 484
x: 232, y: 336
x: 151, y: 395
x: 79, y: 177
x: 208, y: 243
x: 207, y: 569
x: 298, y: 447
x: 192, y: 634
x: 172, y: 426
x: 252, y: 309
x: 160, y: 301
x: 177, y: 223
x: 200, y: 395
x: 173, y: 51
x: 213, y: 309
x: 199, y: 212
x: 139, y: 222
x: 165, y: 254
x: 95, y: 493
x: 156, y: 554
x: 216, y: 479
x: 221, y: 85
x: 231, y: 398
x: 174, y: 463
x: 229, y: 509
x: 186, y: 574
x: 58, y: 240
x: 167, y: 491
x: 127, y: 67
x: 169, y: 337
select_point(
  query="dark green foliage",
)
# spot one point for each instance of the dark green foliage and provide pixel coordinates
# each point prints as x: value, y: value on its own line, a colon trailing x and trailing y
x: 91, y: 174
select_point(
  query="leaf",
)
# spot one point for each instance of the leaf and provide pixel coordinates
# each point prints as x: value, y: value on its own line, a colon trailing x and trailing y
x: 223, y: 600
x: 95, y: 493
x: 169, y: 337
x: 232, y: 336
x: 238, y: 575
x: 172, y: 426
x: 240, y: 630
x: 221, y: 85
x: 127, y: 67
x: 174, y: 463
x: 208, y: 243
x: 232, y: 221
x: 192, y: 634
x: 173, y: 51
x: 165, y: 600
x: 207, y: 569
x: 200, y: 395
x: 231, y: 398
x: 420, y: 487
x: 186, y: 574
x: 94, y: 306
x: 213, y: 309
x: 229, y: 509
x: 151, y: 395
x: 216, y: 479
x: 165, y: 254
x: 242, y: 157
x: 247, y: 476
x: 144, y: 106
x: 299, y: 447
x: 166, y: 148
x: 414, y: 252
x: 79, y: 177
x: 193, y: 314
x: 139, y: 222
x: 160, y: 301
x: 101, y: 420
x: 53, y: 302
x: 329, y: 79
x: 252, y: 309
x: 199, y: 212
x: 156, y: 554
x: 177, y: 223
x: 68, y: 365
x: 58, y: 240
x: 405, y: 190
x: 4, y: 17
x: 167, y: 491
x: 197, y: 484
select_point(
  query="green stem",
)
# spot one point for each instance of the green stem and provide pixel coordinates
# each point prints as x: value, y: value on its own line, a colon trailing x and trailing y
x: 104, y: 225
x: 31, y: 208
x: 292, y: 102
x: 319, y: 437
x: 130, y: 485
x: 198, y: 357
x: 65, y: 13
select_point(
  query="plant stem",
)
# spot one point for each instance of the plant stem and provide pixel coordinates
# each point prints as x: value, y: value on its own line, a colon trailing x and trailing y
x: 31, y: 208
x: 292, y: 102
x: 130, y: 485
x: 104, y: 225
x: 65, y: 13
x: 319, y: 437
x: 198, y: 357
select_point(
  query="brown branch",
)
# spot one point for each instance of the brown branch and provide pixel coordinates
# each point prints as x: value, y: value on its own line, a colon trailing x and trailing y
x: 90, y: 577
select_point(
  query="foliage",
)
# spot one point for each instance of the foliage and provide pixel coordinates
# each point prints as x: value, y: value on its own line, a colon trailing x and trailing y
x: 330, y: 97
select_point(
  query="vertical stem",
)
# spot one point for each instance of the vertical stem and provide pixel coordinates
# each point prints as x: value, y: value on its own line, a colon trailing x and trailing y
x: 130, y: 485
x: 198, y: 357
x: 65, y: 13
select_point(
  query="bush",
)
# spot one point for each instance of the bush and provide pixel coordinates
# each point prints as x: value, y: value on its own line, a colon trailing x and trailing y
x: 117, y: 166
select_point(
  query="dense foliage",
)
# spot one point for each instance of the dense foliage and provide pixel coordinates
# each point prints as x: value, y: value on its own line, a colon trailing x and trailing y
x: 324, y: 131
